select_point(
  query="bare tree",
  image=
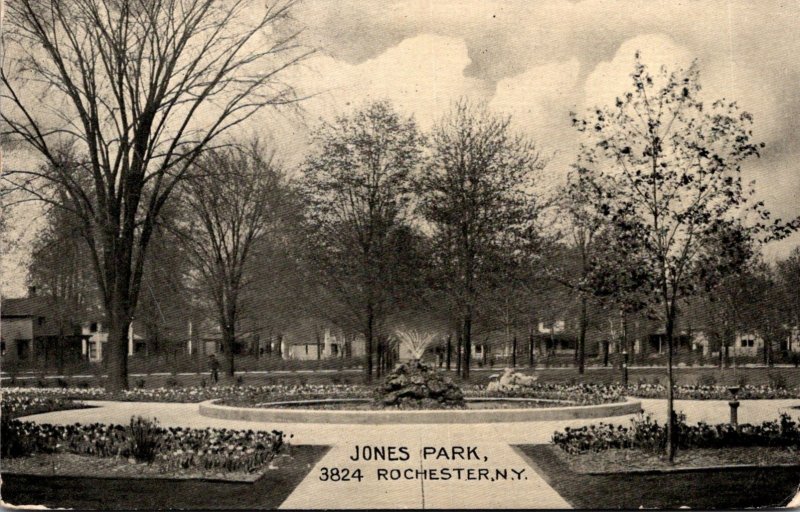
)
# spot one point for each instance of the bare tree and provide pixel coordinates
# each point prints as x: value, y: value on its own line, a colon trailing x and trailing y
x: 477, y: 194
x: 137, y: 89
x: 357, y: 186
x: 232, y: 200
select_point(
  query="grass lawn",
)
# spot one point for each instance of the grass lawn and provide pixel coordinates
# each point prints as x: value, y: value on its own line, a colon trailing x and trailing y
x: 729, y: 488
x: 608, y: 461
x: 85, y: 493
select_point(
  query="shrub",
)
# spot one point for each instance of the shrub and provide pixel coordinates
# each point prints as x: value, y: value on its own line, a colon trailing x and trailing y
x: 62, y: 383
x: 172, y: 382
x: 742, y: 380
x: 140, y: 383
x: 14, y: 444
x: 145, y: 439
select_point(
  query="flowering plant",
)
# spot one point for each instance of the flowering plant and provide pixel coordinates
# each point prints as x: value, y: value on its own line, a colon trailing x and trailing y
x: 172, y: 447
x: 647, y: 434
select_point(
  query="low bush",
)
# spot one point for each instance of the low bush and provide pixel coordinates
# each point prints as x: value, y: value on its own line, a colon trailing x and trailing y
x: 145, y: 439
x: 648, y: 435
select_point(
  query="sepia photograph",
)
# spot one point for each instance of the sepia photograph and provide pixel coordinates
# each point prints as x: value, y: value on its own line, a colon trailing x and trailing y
x: 399, y: 254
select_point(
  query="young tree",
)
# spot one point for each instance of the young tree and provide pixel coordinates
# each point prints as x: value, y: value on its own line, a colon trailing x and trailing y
x: 675, y: 168
x: 477, y: 195
x: 137, y: 89
x: 357, y: 188
x: 232, y: 199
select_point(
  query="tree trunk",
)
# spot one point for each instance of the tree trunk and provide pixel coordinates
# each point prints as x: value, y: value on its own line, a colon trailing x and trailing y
x: 228, y: 339
x: 449, y: 350
x: 582, y: 336
x: 531, y: 349
x: 368, y: 343
x: 671, y: 432
x: 117, y: 346
x: 467, y: 342
x: 459, y: 352
x: 514, y: 352
x: 379, y: 359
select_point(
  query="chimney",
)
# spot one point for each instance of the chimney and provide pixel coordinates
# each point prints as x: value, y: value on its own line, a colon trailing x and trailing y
x: 31, y: 291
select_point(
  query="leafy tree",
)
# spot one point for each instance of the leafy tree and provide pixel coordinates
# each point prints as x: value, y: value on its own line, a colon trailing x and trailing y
x: 57, y: 269
x: 674, y: 165
x: 357, y: 189
x: 137, y: 90
x: 477, y: 195
x: 232, y: 199
x: 788, y: 275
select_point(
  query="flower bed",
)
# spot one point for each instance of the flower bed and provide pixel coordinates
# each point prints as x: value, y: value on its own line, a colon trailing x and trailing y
x: 172, y: 448
x: 648, y: 435
x: 577, y: 394
x: 699, y: 392
x: 14, y: 405
x: 580, y: 394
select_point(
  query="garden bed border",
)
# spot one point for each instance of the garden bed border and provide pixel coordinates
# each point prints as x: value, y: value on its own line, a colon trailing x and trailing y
x: 213, y: 409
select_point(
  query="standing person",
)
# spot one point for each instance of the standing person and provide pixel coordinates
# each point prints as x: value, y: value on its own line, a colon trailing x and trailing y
x: 213, y: 364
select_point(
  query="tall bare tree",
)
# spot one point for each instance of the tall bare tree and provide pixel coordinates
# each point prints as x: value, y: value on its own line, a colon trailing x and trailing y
x: 136, y: 89
x: 357, y: 187
x: 233, y: 198
x: 477, y: 194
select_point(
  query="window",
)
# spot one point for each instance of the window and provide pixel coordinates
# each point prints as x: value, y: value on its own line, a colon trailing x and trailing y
x: 92, y: 350
x: 23, y: 349
x: 306, y: 349
x: 334, y: 350
x: 478, y: 349
x: 93, y: 327
x: 748, y: 342
x: 2, y: 348
x: 40, y: 320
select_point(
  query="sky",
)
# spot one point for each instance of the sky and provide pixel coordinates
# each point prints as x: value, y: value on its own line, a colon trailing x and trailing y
x: 537, y: 61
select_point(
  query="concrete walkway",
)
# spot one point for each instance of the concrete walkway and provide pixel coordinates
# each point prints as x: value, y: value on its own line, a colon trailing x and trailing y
x: 515, y: 484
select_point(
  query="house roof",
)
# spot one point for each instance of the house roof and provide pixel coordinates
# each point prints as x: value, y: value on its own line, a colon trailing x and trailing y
x: 26, y: 306
x: 43, y: 307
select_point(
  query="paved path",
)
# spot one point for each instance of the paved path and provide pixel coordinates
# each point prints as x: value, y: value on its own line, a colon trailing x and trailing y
x: 491, y: 440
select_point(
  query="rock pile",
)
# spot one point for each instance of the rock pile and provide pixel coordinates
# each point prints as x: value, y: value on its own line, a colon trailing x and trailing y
x: 417, y: 386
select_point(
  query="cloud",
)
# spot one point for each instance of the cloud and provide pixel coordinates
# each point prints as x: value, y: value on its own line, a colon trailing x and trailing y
x: 422, y: 75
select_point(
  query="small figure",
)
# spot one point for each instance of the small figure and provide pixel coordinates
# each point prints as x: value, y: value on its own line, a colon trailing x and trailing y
x: 213, y: 364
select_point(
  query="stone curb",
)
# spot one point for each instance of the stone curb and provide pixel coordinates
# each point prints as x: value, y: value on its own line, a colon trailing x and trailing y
x: 212, y: 409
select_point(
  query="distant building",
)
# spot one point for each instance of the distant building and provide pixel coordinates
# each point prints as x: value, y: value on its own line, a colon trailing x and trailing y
x: 326, y: 344
x: 32, y: 331
x: 95, y: 341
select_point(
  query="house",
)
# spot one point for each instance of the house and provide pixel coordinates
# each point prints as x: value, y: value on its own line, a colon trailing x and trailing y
x: 791, y: 343
x: 324, y: 343
x: 34, y: 330
x: 96, y: 339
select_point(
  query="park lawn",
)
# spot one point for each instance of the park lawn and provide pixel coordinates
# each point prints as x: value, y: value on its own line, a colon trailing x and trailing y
x: 129, y: 493
x: 637, y: 460
x: 705, y: 489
